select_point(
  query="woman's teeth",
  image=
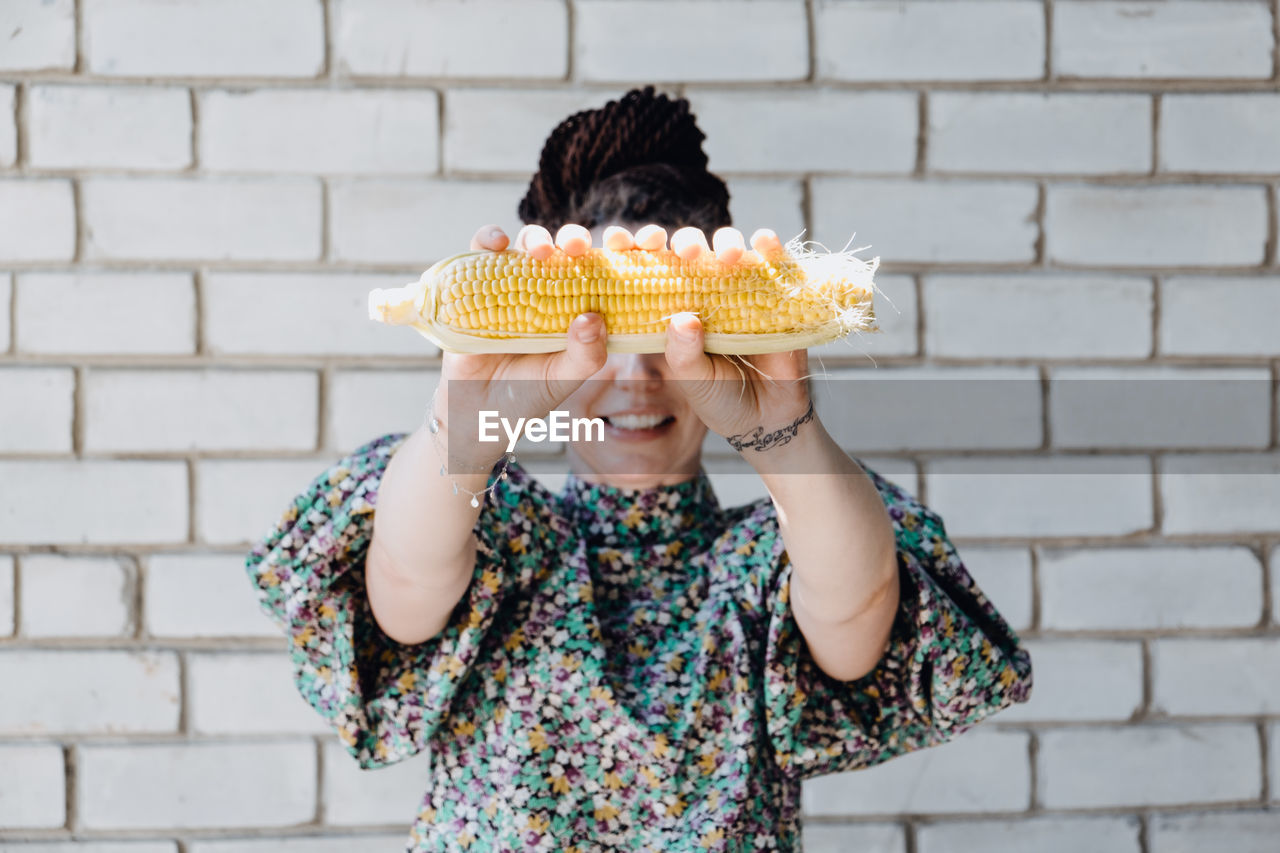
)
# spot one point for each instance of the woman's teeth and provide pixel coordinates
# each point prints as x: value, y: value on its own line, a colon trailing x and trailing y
x: 638, y: 421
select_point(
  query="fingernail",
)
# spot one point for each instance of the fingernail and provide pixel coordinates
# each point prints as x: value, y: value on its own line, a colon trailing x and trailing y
x: 494, y: 232
x: 588, y: 332
x: 684, y: 332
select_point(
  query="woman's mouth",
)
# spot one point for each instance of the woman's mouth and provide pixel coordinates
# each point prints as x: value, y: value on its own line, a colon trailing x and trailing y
x: 638, y: 427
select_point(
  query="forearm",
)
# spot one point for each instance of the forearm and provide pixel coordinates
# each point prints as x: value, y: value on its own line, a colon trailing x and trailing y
x: 840, y: 542
x: 422, y: 553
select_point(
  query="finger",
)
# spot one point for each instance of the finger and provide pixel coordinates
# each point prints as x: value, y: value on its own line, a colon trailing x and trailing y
x: 728, y: 244
x: 574, y: 239
x: 781, y: 367
x: 618, y: 238
x: 489, y: 238
x: 652, y: 238
x: 684, y: 350
x: 583, y: 356
x: 689, y: 243
x: 765, y: 241
x: 535, y: 241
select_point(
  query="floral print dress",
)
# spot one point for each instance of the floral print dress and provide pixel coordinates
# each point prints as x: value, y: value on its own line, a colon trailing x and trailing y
x: 624, y: 671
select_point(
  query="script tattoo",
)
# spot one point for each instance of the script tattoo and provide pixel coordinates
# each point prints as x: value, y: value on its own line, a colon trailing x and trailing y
x: 759, y: 440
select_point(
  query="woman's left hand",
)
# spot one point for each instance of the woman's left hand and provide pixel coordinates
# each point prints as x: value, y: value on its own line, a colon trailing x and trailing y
x: 733, y: 398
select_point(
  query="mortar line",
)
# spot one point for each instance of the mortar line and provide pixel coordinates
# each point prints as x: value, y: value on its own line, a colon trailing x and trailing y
x: 77, y: 203
x: 1275, y: 41
x: 1144, y: 831
x: 193, y: 101
x: 1157, y: 113
x: 441, y: 117
x: 141, y: 571
x: 184, y: 691
x: 570, y: 39
x: 78, y: 411
x: 198, y: 288
x: 910, y: 843
x: 1041, y: 255
x: 193, y: 501
x: 320, y: 814
x: 13, y: 314
x: 70, y: 760
x: 811, y: 36
x: 326, y: 247
x: 1048, y: 42
x: 1035, y: 590
x: 1046, y: 409
x: 1148, y: 682
x: 1157, y: 312
x: 328, y: 71
x: 1157, y: 501
x: 325, y: 380
x: 922, y: 134
x: 917, y: 282
x: 17, y: 596
x: 1263, y: 746
x: 78, y: 13
x: 806, y: 205
x: 1269, y: 247
x: 20, y: 127
x: 1268, y: 612
x: 1033, y: 776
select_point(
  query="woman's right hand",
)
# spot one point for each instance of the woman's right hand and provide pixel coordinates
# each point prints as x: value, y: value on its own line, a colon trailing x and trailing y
x: 513, y: 384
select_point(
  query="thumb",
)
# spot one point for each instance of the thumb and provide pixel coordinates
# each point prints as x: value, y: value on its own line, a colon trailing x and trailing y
x: 685, y: 354
x: 582, y: 357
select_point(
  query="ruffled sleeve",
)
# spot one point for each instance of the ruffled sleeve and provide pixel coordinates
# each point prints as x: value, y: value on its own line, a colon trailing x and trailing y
x: 951, y: 661
x: 384, y: 699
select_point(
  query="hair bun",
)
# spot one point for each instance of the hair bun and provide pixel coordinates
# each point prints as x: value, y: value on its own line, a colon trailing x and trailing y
x: 639, y: 129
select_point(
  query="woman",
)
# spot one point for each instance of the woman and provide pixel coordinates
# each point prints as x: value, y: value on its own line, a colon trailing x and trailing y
x: 626, y: 664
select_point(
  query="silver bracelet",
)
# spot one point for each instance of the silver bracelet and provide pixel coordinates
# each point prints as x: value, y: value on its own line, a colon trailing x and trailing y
x: 432, y: 424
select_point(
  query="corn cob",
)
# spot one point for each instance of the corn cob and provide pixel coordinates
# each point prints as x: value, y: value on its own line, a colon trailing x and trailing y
x: 486, y: 302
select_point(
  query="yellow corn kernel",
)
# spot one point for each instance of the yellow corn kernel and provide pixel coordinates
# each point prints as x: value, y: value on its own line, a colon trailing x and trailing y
x: 509, y: 302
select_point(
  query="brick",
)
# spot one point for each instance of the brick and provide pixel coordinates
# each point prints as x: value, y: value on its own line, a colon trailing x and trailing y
x: 1043, y: 834
x: 43, y: 422
x: 8, y: 126
x: 90, y: 847
x: 892, y: 408
x: 301, y: 313
x: 732, y: 488
x: 1235, y: 830
x: 93, y: 501
x: 32, y: 788
x: 276, y: 130
x: 1198, y: 225
x: 218, y: 219
x: 1149, y: 588
x: 416, y: 223
x: 107, y: 313
x: 1148, y: 766
x: 1004, y: 574
x: 37, y: 220
x: 1039, y: 496
x: 1219, y: 316
x: 839, y: 838
x: 959, y: 40
x: 129, y: 692
x: 6, y: 291
x: 501, y: 130
x: 204, y: 410
x: 6, y: 595
x: 933, y: 780
x: 1220, y: 494
x: 1030, y: 132
x: 240, y: 500
x: 766, y: 203
x: 1184, y: 407
x: 992, y: 221
x: 897, y: 315
x: 614, y: 40
x: 165, y: 786
x: 454, y: 38
x: 40, y: 35
x: 202, y: 595
x: 1162, y: 40
x: 391, y: 843
x: 1219, y: 133
x: 66, y: 596
x: 1082, y: 680
x: 808, y: 131
x: 1228, y: 676
x: 204, y: 38
x: 122, y: 127
x: 244, y: 694
x: 354, y: 797
x: 364, y: 404
x: 1021, y: 316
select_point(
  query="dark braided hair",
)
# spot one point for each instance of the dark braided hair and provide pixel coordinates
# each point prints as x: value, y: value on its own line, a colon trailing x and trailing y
x: 638, y: 159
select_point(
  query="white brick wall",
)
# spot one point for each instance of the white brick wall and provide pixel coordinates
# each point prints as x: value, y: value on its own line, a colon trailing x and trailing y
x: 123, y: 127
x: 197, y: 195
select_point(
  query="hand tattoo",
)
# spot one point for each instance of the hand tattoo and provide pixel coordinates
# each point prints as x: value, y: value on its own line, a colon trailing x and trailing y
x: 759, y: 440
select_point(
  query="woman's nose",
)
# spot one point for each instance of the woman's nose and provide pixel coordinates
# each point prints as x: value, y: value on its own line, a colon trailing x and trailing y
x: 639, y: 371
